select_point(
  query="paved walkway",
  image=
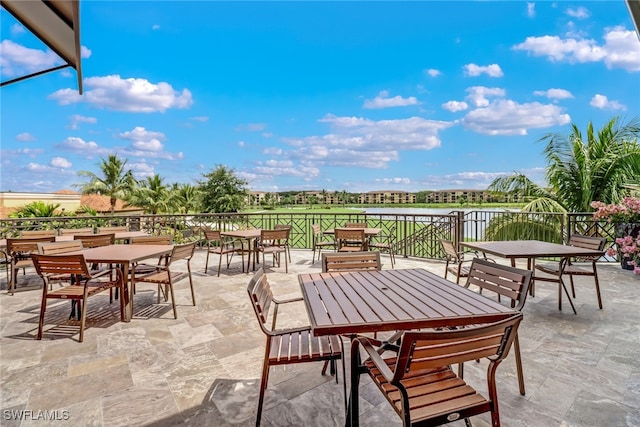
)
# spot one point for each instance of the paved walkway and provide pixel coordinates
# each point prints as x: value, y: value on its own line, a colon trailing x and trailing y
x: 203, y: 369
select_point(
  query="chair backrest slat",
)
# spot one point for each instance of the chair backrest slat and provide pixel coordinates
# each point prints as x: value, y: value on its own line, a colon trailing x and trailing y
x: 54, y: 248
x: 152, y: 240
x: 35, y: 234
x: 96, y: 240
x: 358, y: 261
x: 274, y: 237
x: 113, y: 229
x: 503, y: 280
x: 434, y: 349
x: 355, y: 225
x: 74, y: 231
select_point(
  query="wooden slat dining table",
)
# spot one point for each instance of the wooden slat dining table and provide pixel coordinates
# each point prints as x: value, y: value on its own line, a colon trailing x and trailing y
x: 532, y: 249
x: 389, y: 300
x: 125, y: 256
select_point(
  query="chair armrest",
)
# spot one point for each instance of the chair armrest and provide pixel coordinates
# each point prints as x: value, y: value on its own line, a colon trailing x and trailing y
x: 285, y: 301
x: 276, y: 332
x: 377, y: 360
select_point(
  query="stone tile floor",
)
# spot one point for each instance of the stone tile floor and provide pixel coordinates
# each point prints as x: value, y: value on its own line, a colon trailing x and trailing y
x: 204, y: 367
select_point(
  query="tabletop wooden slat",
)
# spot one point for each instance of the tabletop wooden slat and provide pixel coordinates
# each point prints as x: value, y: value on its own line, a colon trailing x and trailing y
x: 529, y: 249
x: 368, y: 301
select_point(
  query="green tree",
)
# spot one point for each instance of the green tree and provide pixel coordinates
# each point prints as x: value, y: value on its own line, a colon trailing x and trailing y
x: 598, y: 166
x: 223, y: 191
x: 115, y: 182
x: 185, y: 198
x: 344, y: 196
x: 152, y: 195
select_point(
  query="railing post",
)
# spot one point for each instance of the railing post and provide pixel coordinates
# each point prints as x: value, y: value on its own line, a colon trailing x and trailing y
x: 459, y: 229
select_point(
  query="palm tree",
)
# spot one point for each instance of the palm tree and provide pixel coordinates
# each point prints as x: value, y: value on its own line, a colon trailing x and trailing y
x: 37, y: 209
x: 116, y: 182
x: 152, y: 195
x: 579, y: 170
x: 184, y: 197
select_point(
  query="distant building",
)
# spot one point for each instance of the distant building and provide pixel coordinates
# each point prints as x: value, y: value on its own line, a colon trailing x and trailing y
x: 387, y: 197
x: 326, y: 198
x: 68, y: 200
x: 459, y: 196
x: 258, y: 198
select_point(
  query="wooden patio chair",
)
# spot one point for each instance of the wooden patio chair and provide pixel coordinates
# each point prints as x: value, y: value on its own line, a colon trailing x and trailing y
x: 74, y: 231
x: 503, y: 281
x: 288, y: 242
x: 343, y: 262
x: 385, y: 243
x: 274, y: 242
x: 350, y: 239
x: 220, y: 245
x: 319, y: 241
x: 166, y: 275
x: 416, y: 377
x: 288, y: 345
x: 58, y: 248
x: 456, y: 262
x: 163, y: 239
x: 578, y: 266
x: 19, y: 252
x: 82, y: 284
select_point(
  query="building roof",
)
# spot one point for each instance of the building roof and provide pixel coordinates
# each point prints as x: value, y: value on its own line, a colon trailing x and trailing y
x: 102, y: 203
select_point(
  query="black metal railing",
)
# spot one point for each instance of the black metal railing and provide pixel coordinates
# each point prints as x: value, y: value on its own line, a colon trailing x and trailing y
x: 416, y: 235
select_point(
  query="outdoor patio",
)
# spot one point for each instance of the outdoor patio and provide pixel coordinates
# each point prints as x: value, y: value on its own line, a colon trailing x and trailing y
x: 204, y: 368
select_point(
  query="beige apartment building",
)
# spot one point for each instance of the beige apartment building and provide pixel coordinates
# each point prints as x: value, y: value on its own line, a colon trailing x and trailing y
x: 459, y: 196
x: 389, y: 197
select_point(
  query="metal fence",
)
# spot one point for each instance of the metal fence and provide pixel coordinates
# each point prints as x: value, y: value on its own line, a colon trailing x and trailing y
x: 416, y: 235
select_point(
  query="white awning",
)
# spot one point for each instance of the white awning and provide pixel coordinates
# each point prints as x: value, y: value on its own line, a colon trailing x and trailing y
x: 57, y: 24
x: 634, y: 10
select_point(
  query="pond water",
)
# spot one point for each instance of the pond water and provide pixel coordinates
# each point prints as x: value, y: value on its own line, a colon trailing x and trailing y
x: 431, y: 211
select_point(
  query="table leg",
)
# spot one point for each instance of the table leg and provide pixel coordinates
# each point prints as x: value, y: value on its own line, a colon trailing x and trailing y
x: 352, y: 417
x: 127, y: 295
x: 563, y: 263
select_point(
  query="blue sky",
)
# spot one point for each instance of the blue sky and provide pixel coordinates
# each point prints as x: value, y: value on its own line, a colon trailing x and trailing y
x: 355, y: 96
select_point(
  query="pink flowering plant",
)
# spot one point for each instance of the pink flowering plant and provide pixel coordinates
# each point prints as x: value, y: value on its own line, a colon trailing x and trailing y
x: 626, y: 217
x: 627, y: 211
x: 629, y: 248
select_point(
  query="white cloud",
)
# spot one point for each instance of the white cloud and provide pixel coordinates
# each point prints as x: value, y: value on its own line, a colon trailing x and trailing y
x: 85, y: 52
x: 130, y: 95
x: 478, y: 95
x: 506, y: 117
x: 76, y: 119
x: 554, y: 93
x: 361, y: 142
x: 200, y: 119
x: 142, y: 170
x: 394, y: 181
x: 60, y: 162
x: 621, y: 49
x: 155, y: 27
x: 603, y: 103
x: 455, y: 106
x: 578, y: 12
x: 251, y: 127
x: 433, y: 72
x: 146, y: 143
x: 383, y: 101
x: 25, y: 137
x: 19, y: 60
x: 531, y: 9
x: 17, y: 29
x: 79, y: 145
x: 474, y: 70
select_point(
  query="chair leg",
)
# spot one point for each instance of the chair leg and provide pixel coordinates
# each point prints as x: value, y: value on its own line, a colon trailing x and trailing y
x: 83, y: 315
x: 173, y: 301
x: 516, y: 349
x: 263, y: 385
x: 193, y: 295
x: 220, y: 263
x: 206, y: 264
x: 573, y: 289
x: 595, y: 277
